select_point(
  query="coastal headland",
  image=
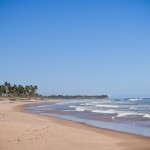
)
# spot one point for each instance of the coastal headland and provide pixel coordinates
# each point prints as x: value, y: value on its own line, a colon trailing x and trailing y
x: 26, y: 131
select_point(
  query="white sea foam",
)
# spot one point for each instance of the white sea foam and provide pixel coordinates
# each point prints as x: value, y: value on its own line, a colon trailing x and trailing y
x: 80, y: 109
x: 82, y: 104
x: 111, y: 111
x: 95, y: 102
x: 135, y: 99
x: 73, y: 106
x: 110, y: 106
x: 61, y: 103
x: 69, y: 110
x: 133, y: 107
x: 121, y: 114
x: 147, y: 116
x: 66, y: 102
x: 86, y: 104
x: 42, y: 106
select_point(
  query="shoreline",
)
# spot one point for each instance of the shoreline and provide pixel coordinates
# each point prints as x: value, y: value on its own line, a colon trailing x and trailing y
x: 84, y: 125
x: 44, y: 132
x: 101, y: 123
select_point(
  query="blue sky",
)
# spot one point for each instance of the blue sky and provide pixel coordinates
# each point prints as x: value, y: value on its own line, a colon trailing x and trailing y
x: 77, y: 46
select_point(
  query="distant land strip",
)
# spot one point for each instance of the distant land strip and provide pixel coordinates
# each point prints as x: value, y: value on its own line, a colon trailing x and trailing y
x: 77, y: 97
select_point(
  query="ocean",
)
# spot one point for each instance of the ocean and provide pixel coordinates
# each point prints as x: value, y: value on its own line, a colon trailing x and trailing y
x: 126, y: 115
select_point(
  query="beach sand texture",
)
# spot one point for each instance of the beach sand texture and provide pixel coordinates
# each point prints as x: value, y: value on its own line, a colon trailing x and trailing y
x: 24, y: 131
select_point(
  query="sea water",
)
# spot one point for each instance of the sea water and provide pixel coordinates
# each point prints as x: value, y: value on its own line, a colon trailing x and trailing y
x: 126, y: 115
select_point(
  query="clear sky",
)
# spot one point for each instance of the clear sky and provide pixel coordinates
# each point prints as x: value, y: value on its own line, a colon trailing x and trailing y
x: 77, y: 46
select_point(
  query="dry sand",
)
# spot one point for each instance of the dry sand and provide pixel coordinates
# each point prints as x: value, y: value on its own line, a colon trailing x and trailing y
x: 24, y: 131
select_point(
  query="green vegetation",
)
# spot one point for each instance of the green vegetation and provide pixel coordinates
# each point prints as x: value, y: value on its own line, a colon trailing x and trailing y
x: 9, y: 90
x: 13, y: 90
x: 77, y: 96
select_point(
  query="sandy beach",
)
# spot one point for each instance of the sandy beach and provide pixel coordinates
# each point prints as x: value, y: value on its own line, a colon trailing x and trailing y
x: 25, y: 131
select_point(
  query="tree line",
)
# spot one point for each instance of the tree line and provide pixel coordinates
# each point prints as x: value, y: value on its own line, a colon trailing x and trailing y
x: 17, y: 90
x: 77, y: 96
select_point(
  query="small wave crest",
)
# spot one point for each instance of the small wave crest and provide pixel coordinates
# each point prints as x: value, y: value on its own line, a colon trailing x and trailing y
x: 135, y: 99
x: 72, y: 106
x: 86, y: 104
x: 80, y: 109
x: 110, y: 106
x: 122, y: 114
x: 146, y: 116
x: 42, y: 106
x: 111, y: 111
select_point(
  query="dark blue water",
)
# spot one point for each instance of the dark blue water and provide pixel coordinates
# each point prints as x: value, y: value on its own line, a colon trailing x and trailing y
x: 126, y: 115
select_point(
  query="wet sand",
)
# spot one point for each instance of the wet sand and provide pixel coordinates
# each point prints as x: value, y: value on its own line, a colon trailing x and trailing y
x: 26, y: 131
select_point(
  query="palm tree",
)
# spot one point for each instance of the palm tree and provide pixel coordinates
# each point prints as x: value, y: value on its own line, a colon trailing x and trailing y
x: 3, y: 90
x: 31, y: 90
x: 15, y: 90
x: 8, y: 90
x: 27, y: 90
x: 20, y: 90
x: 0, y: 90
x: 35, y: 88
